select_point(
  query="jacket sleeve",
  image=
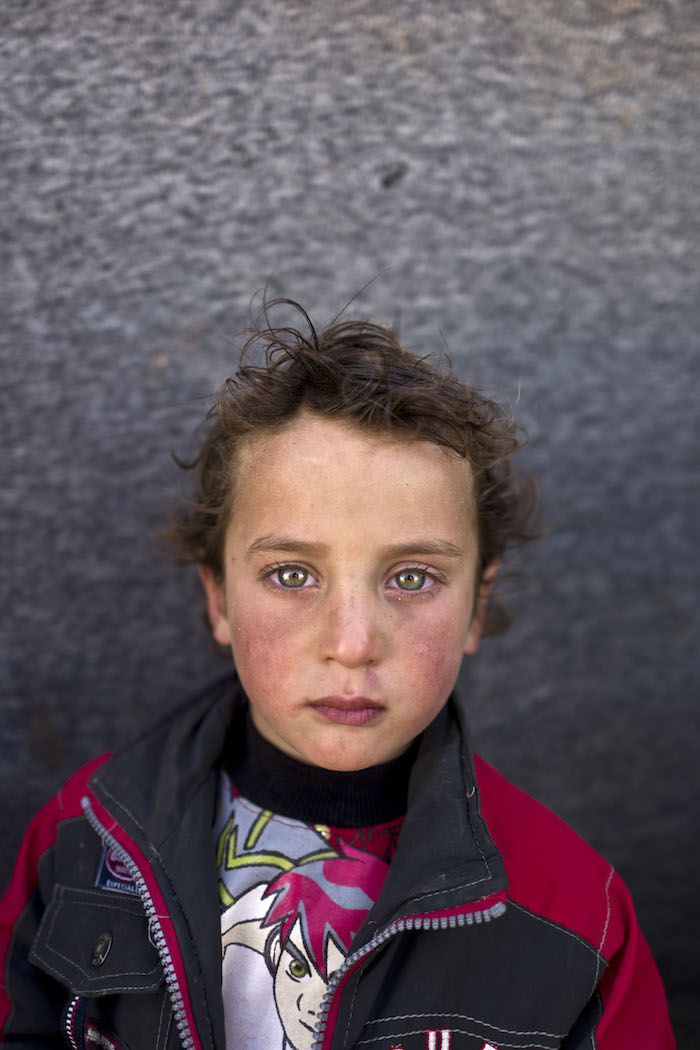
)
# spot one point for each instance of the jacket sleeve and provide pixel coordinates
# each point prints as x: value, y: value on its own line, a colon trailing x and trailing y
x: 31, y: 1002
x: 554, y: 874
x: 634, y: 1011
x: 627, y: 1009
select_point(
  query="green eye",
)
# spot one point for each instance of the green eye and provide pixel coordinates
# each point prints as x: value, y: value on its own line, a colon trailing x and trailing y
x: 410, y: 579
x: 298, y: 969
x: 292, y: 576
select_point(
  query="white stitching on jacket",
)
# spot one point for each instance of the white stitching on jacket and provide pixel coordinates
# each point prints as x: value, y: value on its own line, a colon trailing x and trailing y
x: 605, y: 928
x: 466, y: 1017
x: 456, y: 1031
x: 561, y: 929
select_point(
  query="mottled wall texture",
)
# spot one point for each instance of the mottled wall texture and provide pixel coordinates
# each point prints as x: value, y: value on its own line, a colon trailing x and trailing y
x: 523, y: 176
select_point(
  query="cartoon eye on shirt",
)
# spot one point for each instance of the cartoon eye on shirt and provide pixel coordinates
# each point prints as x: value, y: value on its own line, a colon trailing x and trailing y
x: 298, y: 967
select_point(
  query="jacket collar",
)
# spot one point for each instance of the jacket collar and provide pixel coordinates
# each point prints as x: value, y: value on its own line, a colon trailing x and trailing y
x: 445, y: 856
x: 162, y: 791
x: 151, y: 785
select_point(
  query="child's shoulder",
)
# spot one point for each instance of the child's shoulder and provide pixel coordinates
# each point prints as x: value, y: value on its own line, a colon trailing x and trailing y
x: 524, y: 829
x: 552, y: 872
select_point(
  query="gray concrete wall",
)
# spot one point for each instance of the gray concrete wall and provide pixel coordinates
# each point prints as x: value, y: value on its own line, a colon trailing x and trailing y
x: 524, y: 176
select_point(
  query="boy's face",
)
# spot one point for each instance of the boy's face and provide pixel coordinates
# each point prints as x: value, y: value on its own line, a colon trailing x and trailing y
x: 348, y: 594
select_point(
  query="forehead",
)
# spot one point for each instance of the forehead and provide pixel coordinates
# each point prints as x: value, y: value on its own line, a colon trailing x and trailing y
x: 307, y: 435
x: 321, y: 465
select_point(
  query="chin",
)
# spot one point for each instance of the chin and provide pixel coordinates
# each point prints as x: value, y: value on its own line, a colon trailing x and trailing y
x: 344, y: 759
x: 349, y: 765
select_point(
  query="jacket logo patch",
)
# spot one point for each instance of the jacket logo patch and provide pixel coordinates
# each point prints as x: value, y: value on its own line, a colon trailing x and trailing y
x: 99, y: 1038
x: 113, y: 874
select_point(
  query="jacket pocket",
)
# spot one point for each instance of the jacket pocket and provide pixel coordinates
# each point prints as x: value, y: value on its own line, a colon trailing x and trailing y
x: 97, y: 943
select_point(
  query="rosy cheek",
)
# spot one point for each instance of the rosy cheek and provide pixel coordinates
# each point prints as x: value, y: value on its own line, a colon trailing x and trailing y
x: 255, y: 640
x: 437, y: 657
x: 264, y: 644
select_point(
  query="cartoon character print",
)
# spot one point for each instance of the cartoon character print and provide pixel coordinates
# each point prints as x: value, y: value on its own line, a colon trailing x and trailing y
x: 284, y: 937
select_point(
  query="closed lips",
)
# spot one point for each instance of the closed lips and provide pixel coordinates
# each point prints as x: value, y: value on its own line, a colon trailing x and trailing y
x: 348, y: 710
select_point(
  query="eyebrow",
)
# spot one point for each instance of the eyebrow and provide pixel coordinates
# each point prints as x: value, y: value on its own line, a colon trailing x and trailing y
x: 286, y: 543
x: 295, y: 953
x: 439, y: 548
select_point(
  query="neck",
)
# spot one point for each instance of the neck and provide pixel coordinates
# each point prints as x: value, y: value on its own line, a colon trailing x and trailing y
x: 276, y: 781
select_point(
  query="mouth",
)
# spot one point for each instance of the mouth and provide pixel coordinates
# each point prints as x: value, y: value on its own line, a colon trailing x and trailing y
x: 348, y: 710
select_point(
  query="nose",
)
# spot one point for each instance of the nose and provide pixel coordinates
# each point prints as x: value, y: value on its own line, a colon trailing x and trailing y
x: 352, y: 632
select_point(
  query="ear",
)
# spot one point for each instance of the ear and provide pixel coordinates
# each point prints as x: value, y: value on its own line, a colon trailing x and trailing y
x: 476, y: 624
x: 216, y: 605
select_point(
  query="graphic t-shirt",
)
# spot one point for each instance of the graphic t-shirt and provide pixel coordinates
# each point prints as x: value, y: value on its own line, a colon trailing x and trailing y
x: 294, y: 891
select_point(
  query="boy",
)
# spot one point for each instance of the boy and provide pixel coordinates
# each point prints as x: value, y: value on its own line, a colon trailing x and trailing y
x: 308, y: 855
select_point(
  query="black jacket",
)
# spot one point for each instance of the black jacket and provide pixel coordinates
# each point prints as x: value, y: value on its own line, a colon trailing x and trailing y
x: 442, y: 961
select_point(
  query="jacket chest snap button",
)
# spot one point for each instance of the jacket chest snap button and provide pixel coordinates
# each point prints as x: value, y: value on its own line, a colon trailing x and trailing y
x: 101, y: 949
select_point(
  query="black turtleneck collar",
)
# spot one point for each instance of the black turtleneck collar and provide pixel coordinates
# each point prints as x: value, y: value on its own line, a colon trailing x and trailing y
x: 275, y: 781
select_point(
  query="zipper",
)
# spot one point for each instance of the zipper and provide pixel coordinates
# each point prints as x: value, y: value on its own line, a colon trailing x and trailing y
x: 69, y: 1019
x: 417, y: 922
x: 156, y: 935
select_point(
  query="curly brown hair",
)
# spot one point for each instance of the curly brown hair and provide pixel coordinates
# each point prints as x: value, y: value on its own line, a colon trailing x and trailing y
x: 357, y: 372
